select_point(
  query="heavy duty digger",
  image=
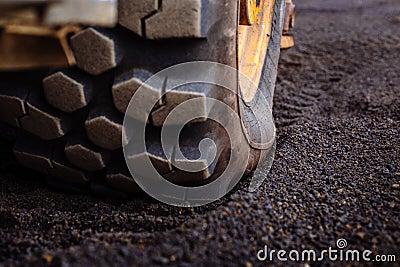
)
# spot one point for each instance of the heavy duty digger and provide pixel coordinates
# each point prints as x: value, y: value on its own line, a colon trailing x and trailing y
x: 68, y: 69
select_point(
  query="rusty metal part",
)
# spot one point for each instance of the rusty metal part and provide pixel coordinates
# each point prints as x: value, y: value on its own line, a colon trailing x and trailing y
x: 290, y: 13
x: 25, y: 47
x: 23, y: 16
x: 248, y: 11
x: 287, y: 41
x: 253, y: 43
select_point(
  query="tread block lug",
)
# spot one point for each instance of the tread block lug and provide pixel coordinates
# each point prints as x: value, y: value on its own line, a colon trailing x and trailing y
x: 198, y: 110
x: 33, y: 153
x: 192, y: 159
x: 157, y: 157
x: 153, y: 151
x: 12, y: 104
x: 83, y: 154
x: 95, y: 50
x: 176, y: 18
x: 118, y: 177
x: 162, y: 165
x: 126, y: 85
x: 131, y: 13
x: 156, y: 19
x: 43, y: 120
x: 67, y: 91
x: 63, y: 170
x: 104, y: 128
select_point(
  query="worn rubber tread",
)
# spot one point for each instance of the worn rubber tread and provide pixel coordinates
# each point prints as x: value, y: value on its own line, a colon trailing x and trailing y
x: 132, y: 13
x: 175, y: 18
x: 161, y: 19
x: 95, y: 50
x: 64, y: 170
x: 104, y: 128
x: 198, y: 109
x: 68, y: 90
x: 32, y: 153
x: 154, y: 152
x: 12, y: 104
x: 84, y: 154
x: 127, y: 84
x: 42, y: 120
x: 119, y: 177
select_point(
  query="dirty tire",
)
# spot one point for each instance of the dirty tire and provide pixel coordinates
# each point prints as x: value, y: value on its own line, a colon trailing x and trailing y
x: 69, y: 121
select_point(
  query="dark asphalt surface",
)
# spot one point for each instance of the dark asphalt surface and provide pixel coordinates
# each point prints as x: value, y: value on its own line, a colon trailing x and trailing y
x: 336, y: 173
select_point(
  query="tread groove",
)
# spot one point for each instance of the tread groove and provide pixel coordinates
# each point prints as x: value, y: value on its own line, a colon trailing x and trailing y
x: 143, y: 20
x: 26, y: 110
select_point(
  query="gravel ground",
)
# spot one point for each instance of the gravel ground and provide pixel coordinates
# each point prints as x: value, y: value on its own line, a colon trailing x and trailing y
x: 336, y: 173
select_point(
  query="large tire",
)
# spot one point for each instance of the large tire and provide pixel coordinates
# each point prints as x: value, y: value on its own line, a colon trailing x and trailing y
x: 69, y: 121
